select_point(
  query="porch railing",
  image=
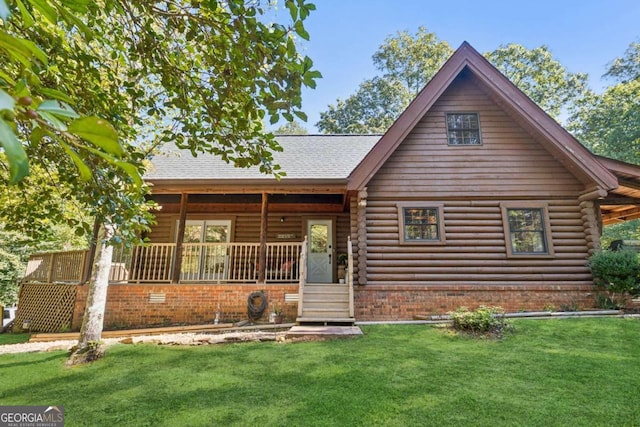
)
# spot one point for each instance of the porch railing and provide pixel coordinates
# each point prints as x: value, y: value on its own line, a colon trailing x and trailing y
x: 205, y: 262
x: 201, y: 262
x: 56, y: 267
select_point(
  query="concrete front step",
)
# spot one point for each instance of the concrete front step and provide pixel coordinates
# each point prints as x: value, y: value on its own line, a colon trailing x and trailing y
x: 331, y: 331
x: 325, y: 321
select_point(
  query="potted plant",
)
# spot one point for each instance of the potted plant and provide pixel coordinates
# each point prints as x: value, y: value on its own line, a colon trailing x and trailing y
x: 342, y: 267
x: 276, y: 315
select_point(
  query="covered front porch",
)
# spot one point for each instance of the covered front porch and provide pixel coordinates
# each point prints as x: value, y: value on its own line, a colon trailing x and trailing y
x: 214, y: 281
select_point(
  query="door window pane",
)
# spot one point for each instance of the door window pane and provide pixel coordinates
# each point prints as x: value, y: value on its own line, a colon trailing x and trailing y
x: 319, y: 236
x: 216, y: 233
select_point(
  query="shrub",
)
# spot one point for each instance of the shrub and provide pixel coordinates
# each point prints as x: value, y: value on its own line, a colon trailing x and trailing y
x: 617, y: 273
x: 480, y: 321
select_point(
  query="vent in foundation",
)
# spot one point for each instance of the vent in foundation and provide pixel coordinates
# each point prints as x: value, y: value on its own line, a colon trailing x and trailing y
x: 291, y: 297
x: 157, y: 298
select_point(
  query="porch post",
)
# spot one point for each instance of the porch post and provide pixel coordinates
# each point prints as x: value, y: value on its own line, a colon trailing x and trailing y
x: 262, y: 256
x: 177, y: 265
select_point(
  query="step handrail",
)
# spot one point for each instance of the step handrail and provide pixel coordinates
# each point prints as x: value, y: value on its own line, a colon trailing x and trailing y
x: 349, y: 276
x: 303, y: 275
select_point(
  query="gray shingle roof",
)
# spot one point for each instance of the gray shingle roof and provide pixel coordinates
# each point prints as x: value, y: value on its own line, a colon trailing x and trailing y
x: 303, y: 157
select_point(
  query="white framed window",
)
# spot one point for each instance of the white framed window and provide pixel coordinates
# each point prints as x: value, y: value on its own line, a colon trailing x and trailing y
x: 421, y: 224
x: 527, y: 230
x: 463, y: 129
x: 205, y: 256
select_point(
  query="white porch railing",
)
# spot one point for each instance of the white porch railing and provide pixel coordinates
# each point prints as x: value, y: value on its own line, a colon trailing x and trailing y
x: 201, y: 262
x: 206, y: 262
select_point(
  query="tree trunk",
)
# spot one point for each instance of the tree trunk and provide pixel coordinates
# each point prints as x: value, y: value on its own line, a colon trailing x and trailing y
x: 88, y: 348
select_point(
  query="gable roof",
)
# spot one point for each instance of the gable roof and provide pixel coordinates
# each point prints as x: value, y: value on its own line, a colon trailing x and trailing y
x: 304, y: 157
x: 557, y: 140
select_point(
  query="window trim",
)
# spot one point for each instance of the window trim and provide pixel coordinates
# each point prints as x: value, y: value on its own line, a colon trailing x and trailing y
x: 446, y: 125
x: 505, y: 206
x: 439, y: 207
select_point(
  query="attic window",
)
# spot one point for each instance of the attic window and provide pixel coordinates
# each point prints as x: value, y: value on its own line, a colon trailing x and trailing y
x: 463, y: 129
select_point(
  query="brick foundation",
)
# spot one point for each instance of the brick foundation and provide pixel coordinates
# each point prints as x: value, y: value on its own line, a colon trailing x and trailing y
x: 129, y: 306
x: 404, y: 302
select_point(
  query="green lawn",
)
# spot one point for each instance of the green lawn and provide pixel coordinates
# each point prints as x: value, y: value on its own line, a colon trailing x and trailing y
x: 13, y: 338
x: 546, y: 373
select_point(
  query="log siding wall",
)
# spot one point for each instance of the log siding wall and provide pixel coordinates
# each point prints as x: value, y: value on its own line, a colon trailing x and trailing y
x: 470, y: 182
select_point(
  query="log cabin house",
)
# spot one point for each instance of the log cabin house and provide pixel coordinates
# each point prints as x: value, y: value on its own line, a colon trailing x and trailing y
x: 473, y: 196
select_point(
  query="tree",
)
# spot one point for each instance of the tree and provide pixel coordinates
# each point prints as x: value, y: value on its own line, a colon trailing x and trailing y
x: 81, y: 79
x: 627, y: 67
x: 608, y: 123
x: 535, y: 72
x: 372, y: 109
x: 408, y: 62
x: 291, y: 128
x: 412, y: 60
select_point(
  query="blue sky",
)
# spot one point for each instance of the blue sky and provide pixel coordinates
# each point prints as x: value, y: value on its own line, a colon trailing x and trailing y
x: 583, y: 35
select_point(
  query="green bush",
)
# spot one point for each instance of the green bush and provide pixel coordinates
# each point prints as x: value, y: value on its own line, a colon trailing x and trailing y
x: 617, y: 273
x: 483, y: 320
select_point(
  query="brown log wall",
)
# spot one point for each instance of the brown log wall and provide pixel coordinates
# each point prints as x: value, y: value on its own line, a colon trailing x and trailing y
x: 471, y: 267
x: 509, y: 163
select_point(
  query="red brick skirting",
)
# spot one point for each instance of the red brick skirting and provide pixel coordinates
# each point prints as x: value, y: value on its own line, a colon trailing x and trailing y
x: 130, y: 306
x: 404, y: 302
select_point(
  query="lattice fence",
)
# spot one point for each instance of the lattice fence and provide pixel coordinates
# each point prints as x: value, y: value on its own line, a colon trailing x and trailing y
x: 48, y: 307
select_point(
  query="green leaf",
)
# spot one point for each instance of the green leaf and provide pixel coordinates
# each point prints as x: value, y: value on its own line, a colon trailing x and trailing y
x: 54, y: 93
x: 6, y: 77
x: 99, y: 132
x: 16, y: 156
x: 46, y: 10
x: 23, y: 47
x: 299, y: 28
x: 6, y: 101
x: 293, y: 9
x: 274, y: 119
x: 301, y: 115
x: 57, y: 108
x: 5, y: 12
x: 26, y: 16
x: 132, y: 171
x: 54, y: 121
x: 72, y: 19
x: 85, y: 172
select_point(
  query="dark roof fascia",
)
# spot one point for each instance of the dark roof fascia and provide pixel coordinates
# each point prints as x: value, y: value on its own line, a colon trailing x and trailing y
x: 467, y: 57
x: 264, y: 184
x: 620, y: 168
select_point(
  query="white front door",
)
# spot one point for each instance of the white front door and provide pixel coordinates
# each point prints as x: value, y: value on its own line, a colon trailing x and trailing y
x: 320, y: 256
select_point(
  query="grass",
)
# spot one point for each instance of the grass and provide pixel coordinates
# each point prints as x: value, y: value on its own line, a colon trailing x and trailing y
x: 551, y: 372
x: 13, y: 338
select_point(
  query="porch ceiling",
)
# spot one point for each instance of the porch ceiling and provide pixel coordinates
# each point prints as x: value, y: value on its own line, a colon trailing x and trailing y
x: 623, y: 203
x: 278, y: 203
